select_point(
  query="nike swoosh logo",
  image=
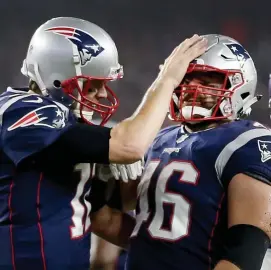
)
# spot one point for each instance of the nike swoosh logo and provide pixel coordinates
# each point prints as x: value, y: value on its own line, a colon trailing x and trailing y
x: 38, y: 100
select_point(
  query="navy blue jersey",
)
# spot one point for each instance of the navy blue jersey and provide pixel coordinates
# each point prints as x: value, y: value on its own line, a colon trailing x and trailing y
x: 44, y: 214
x: 181, y: 209
x: 120, y: 263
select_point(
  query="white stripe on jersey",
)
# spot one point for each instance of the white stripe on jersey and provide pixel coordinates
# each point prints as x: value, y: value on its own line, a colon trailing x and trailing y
x: 234, y: 145
x: 11, y: 90
x: 8, y: 96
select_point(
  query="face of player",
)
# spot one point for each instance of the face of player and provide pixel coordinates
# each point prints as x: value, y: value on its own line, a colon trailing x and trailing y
x: 204, y: 82
x: 93, y: 98
x: 97, y: 91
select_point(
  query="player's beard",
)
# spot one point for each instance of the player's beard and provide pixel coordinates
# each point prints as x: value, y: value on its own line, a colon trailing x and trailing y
x: 205, y: 107
x: 204, y: 125
x: 198, y: 108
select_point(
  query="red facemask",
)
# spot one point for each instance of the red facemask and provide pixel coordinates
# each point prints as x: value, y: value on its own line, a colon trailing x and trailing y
x: 225, y: 92
x: 104, y: 108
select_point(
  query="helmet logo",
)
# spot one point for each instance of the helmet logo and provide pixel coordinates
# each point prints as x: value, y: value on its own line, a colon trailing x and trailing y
x: 236, y: 79
x: 86, y: 45
x: 239, y: 51
x: 227, y: 108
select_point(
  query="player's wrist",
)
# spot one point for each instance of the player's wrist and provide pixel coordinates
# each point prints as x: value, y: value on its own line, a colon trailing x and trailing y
x: 165, y: 82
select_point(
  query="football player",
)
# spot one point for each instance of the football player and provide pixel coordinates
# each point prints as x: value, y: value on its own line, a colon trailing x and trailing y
x: 103, y: 254
x: 267, y: 259
x: 45, y: 154
x: 204, y: 199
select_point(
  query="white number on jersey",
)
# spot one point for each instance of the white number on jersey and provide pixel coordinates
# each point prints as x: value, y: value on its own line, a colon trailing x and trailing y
x: 180, y: 218
x: 80, y: 217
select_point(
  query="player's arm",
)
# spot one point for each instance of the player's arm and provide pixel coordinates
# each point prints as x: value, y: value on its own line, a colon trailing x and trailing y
x: 103, y: 254
x: 120, y: 182
x: 247, y: 182
x: 226, y: 265
x: 132, y: 137
x: 129, y: 195
x: 249, y: 222
x: 128, y: 141
x: 107, y: 218
x: 125, y: 143
x: 113, y: 226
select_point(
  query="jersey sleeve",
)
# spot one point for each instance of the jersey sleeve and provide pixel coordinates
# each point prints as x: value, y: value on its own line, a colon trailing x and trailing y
x: 30, y: 125
x: 249, y: 153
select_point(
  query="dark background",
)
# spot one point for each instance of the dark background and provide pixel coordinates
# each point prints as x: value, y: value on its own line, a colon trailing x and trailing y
x: 145, y: 32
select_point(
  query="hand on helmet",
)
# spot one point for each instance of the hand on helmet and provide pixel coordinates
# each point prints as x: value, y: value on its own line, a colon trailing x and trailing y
x: 124, y: 172
x: 175, y: 66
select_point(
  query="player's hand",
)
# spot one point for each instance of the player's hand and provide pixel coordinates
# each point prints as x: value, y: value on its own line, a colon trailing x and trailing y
x: 124, y: 172
x: 175, y: 66
x: 128, y: 171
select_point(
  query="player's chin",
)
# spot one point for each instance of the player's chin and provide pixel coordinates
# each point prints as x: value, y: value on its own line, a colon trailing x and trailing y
x: 197, y: 117
x: 195, y: 113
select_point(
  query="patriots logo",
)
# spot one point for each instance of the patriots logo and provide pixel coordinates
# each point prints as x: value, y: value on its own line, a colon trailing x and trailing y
x: 239, y: 51
x: 85, y: 44
x: 48, y: 116
x: 265, y: 149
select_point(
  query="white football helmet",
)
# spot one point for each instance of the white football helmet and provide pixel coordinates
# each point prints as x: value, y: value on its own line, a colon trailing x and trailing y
x: 228, y: 57
x: 64, y: 55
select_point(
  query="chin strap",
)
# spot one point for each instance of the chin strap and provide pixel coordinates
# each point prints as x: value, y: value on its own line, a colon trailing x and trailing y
x: 87, y: 114
x: 35, y: 77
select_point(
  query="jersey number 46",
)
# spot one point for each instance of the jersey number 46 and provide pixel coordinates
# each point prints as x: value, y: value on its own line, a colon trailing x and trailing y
x: 179, y: 221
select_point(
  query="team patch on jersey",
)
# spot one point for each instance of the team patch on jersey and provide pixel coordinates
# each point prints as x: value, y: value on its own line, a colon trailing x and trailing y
x: 48, y: 116
x: 265, y: 149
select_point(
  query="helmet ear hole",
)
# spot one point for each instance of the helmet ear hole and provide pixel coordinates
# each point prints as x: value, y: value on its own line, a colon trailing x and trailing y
x: 244, y: 95
x: 57, y: 84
